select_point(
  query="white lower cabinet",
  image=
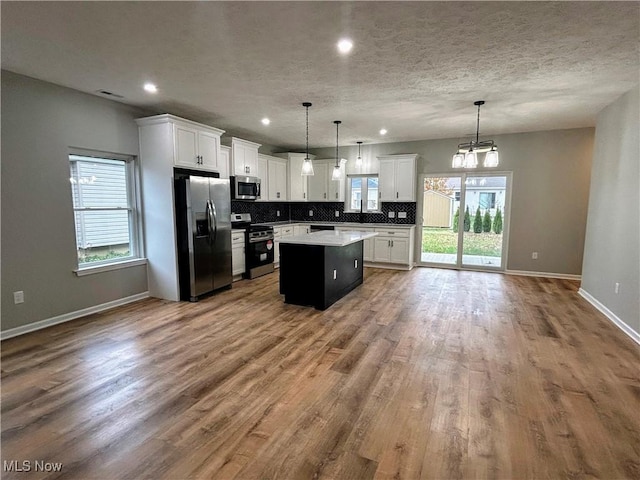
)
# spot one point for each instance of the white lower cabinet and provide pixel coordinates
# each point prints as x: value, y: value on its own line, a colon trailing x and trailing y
x: 238, y: 262
x: 394, y: 246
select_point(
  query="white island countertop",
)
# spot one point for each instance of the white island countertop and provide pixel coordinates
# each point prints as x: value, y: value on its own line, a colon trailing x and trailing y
x: 328, y: 238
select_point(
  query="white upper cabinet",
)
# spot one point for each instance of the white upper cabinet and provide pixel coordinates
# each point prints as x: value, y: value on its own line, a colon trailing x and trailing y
x: 297, y: 184
x: 322, y: 187
x: 196, y: 146
x: 277, y: 168
x: 263, y: 175
x: 244, y: 157
x: 225, y: 159
x: 318, y: 185
x: 397, y: 178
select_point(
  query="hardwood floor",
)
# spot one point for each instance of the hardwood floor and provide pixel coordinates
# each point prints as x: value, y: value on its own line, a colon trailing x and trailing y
x: 422, y: 374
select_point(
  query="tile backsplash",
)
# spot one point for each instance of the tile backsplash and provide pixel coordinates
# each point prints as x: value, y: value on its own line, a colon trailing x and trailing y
x: 262, y: 212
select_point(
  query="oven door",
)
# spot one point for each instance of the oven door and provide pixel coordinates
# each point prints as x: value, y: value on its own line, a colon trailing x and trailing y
x: 260, y: 252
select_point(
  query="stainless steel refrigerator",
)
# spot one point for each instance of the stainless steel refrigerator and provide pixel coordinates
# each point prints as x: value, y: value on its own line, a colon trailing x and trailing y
x: 203, y: 221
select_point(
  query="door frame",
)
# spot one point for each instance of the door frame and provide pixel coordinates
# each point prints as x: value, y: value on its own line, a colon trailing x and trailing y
x: 506, y: 221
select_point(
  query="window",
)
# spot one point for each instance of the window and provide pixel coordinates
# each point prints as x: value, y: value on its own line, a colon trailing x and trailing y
x: 487, y: 200
x: 105, y: 209
x: 359, y: 188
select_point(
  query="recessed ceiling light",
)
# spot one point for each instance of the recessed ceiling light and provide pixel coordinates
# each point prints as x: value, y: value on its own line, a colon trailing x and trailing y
x: 266, y: 121
x: 150, y: 87
x: 383, y: 131
x: 345, y: 45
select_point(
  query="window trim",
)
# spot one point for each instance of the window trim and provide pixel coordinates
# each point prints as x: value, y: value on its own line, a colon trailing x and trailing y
x: 365, y: 190
x: 136, y: 243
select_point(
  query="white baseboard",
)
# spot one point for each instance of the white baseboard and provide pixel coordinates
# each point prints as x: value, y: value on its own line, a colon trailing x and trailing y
x: 48, y: 322
x: 635, y: 336
x: 526, y: 273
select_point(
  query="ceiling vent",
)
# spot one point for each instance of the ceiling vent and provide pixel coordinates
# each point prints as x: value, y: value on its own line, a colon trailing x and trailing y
x: 107, y: 93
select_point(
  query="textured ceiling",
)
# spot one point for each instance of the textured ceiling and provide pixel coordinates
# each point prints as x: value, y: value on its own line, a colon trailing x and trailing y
x: 415, y: 68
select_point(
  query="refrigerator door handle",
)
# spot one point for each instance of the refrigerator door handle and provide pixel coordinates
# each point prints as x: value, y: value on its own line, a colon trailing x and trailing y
x: 209, y: 221
x: 215, y: 222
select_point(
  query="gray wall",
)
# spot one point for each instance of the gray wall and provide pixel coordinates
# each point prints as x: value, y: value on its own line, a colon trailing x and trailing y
x: 40, y: 121
x: 551, y: 172
x: 612, y: 247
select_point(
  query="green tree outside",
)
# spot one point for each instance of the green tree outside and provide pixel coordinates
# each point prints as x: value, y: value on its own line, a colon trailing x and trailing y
x: 497, y: 222
x: 467, y: 220
x: 486, y: 222
x: 477, y: 222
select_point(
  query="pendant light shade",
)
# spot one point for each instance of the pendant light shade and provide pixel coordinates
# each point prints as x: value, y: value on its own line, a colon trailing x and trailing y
x: 491, y: 158
x: 458, y: 160
x: 337, y: 171
x: 359, y: 159
x: 307, y: 165
x: 470, y: 158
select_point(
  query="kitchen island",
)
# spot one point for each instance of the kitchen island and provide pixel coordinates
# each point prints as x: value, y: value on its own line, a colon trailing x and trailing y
x: 320, y: 268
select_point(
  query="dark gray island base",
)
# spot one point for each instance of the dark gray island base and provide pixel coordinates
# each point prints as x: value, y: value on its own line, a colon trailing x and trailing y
x: 319, y: 275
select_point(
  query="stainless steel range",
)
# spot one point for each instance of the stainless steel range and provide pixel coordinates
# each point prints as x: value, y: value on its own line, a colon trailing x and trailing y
x: 259, y: 246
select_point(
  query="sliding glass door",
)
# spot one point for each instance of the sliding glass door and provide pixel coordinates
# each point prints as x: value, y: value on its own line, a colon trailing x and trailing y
x: 464, y: 220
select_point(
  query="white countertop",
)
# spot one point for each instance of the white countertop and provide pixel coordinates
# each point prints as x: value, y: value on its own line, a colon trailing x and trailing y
x: 353, y: 225
x: 328, y: 238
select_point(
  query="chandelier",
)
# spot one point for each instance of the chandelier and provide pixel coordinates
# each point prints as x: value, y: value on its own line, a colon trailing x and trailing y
x: 467, y: 154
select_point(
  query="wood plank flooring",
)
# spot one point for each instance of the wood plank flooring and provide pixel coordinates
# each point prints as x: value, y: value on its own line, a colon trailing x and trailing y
x: 432, y: 374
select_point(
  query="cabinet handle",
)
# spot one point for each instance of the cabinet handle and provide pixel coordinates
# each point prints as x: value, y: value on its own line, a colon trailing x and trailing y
x: 304, y: 195
x: 336, y: 194
x: 391, y: 243
x: 325, y: 195
x: 277, y: 194
x: 397, y: 195
x: 356, y: 264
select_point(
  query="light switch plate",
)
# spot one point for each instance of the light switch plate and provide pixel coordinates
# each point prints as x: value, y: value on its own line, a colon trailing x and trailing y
x: 337, y: 213
x: 311, y: 213
x: 392, y: 214
x: 402, y: 214
x: 277, y: 213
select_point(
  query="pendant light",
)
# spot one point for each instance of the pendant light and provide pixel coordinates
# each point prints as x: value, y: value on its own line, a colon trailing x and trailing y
x: 467, y: 154
x: 359, y: 159
x: 307, y: 166
x: 337, y: 171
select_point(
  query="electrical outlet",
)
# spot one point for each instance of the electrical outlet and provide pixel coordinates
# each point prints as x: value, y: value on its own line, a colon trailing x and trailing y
x: 402, y: 214
x: 311, y: 213
x: 337, y: 213
x: 18, y: 297
x: 534, y: 255
x: 392, y: 214
x: 277, y: 213
x: 616, y: 288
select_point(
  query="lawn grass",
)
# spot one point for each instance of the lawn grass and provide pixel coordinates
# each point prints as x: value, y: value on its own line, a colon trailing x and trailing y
x: 444, y: 240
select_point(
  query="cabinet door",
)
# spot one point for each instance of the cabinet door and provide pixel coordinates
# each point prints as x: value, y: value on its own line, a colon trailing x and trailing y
x: 263, y: 175
x: 251, y: 161
x: 399, y: 251
x: 208, y: 147
x: 367, y: 254
x: 318, y: 182
x: 405, y: 180
x: 277, y: 180
x: 186, y: 147
x: 276, y: 252
x: 336, y: 187
x: 237, y: 260
x: 223, y: 162
x: 297, y: 182
x: 237, y: 159
x: 387, y: 181
x: 381, y: 249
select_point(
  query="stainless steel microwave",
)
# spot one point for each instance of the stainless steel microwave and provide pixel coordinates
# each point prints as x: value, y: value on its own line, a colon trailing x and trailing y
x: 245, y: 188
